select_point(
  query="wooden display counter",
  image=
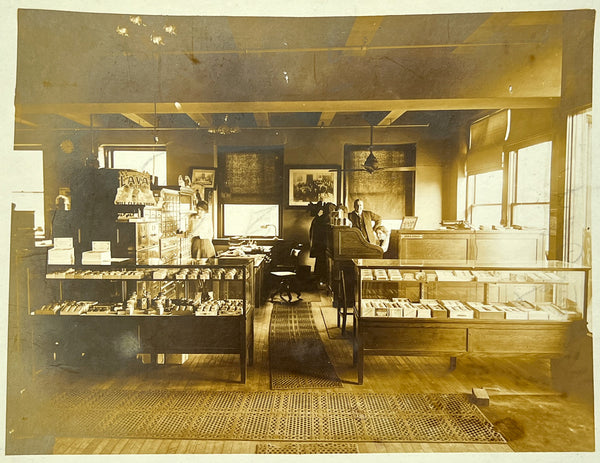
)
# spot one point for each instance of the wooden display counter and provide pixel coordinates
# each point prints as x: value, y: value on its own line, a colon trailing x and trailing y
x: 456, y: 338
x: 457, y: 308
x: 178, y: 309
x: 114, y: 338
x: 467, y: 245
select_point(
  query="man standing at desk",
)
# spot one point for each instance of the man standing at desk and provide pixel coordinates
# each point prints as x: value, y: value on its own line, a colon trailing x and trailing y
x: 366, y: 221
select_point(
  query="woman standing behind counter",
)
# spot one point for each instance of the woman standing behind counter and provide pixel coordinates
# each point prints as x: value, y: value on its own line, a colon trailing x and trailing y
x: 200, y: 228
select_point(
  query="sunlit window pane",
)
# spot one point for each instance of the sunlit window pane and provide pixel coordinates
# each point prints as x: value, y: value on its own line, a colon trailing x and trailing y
x: 488, y: 188
x: 26, y: 182
x: 533, y: 173
x: 153, y: 162
x: 251, y: 219
x: 26, y: 170
x: 486, y: 215
x: 531, y: 215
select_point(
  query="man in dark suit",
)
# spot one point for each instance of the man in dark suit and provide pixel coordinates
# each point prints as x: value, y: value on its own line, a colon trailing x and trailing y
x: 366, y: 221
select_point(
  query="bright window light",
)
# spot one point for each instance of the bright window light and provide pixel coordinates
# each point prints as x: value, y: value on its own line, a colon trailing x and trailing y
x: 26, y: 183
x: 153, y: 162
x: 251, y: 219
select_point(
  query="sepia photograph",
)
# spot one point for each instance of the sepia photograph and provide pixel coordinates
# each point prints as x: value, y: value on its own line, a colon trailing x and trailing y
x: 204, y: 178
x: 313, y: 185
x: 331, y: 230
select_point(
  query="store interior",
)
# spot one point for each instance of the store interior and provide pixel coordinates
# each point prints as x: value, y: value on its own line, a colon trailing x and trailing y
x: 467, y: 136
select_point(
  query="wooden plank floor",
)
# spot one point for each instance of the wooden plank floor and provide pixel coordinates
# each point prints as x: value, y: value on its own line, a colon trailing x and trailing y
x: 526, y: 379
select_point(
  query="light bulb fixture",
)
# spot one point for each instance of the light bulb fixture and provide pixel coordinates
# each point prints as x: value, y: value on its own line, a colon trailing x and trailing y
x: 156, y: 39
x: 224, y: 129
x: 170, y: 29
x: 137, y: 20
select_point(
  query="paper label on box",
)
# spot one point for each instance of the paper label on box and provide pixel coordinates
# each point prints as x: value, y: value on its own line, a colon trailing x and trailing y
x: 101, y: 246
x: 63, y: 243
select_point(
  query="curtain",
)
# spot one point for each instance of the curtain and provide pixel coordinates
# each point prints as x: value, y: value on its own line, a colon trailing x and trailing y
x: 487, y: 138
x: 251, y: 176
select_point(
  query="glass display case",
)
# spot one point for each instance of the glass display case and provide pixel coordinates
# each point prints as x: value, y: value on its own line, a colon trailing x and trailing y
x: 455, y: 308
x: 167, y: 309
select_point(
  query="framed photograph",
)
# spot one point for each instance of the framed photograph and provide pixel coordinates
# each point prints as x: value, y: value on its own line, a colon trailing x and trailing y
x: 203, y: 177
x: 409, y: 222
x: 308, y: 184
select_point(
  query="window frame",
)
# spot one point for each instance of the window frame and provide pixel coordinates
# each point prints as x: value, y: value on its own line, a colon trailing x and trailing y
x: 108, y: 151
x: 513, y: 200
x: 44, y: 229
x: 471, y: 196
x: 278, y: 158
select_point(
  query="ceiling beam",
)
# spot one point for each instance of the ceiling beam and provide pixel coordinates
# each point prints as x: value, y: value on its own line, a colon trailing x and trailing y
x: 262, y: 119
x: 391, y: 117
x: 139, y: 120
x: 325, y: 119
x: 496, y: 22
x: 428, y: 104
x: 80, y: 118
x: 203, y: 120
x: 362, y: 32
x: 20, y: 120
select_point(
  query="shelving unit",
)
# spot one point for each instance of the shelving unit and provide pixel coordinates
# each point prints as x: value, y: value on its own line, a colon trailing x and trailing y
x: 204, y: 309
x: 457, y: 308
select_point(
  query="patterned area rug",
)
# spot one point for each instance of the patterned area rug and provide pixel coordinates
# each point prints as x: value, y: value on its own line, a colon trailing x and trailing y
x: 304, y: 448
x: 309, y: 416
x: 297, y: 356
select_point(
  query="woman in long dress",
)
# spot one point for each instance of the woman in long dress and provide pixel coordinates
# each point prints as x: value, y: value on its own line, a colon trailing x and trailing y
x: 201, y: 230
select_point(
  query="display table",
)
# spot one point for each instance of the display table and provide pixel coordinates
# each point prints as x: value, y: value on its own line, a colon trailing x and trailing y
x: 434, y: 308
x: 185, y: 309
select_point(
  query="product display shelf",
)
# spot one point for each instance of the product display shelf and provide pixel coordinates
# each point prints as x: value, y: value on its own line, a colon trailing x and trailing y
x: 128, y: 310
x: 455, y: 308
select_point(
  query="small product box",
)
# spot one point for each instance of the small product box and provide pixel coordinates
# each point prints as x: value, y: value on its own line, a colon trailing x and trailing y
x: 422, y: 311
x: 395, y: 310
x: 95, y: 258
x: 437, y: 311
x: 410, y: 311
x: 101, y: 246
x: 537, y: 315
x: 62, y: 253
x: 510, y: 312
x: 99, y: 255
x: 486, y: 311
x: 61, y: 256
x: 63, y: 243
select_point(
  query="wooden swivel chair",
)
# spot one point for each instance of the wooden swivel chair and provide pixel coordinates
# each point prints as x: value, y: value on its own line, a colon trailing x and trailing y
x: 285, y: 276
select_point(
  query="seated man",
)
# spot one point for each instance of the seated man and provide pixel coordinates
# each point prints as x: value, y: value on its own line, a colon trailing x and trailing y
x: 366, y: 221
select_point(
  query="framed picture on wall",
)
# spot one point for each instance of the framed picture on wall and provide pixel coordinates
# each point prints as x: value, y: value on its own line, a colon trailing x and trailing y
x: 310, y: 184
x: 203, y: 176
x: 203, y: 181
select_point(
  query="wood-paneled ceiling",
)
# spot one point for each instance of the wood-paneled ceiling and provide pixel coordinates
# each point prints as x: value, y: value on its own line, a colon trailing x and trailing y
x: 119, y: 72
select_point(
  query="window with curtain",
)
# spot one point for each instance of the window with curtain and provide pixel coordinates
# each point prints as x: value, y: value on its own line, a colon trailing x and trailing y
x: 387, y: 192
x: 250, y: 191
x: 142, y: 158
x: 26, y: 183
x: 486, y: 143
